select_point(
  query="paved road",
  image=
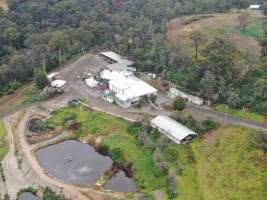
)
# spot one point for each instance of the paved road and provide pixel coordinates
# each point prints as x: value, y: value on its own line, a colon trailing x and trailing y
x: 220, y: 117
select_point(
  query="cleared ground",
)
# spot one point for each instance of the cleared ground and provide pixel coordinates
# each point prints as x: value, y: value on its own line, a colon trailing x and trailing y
x: 215, y: 25
x: 3, y: 142
x: 3, y: 4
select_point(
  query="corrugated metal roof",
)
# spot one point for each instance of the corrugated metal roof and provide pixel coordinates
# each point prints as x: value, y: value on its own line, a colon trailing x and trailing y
x: 177, y: 132
x: 116, y: 57
x: 132, y: 86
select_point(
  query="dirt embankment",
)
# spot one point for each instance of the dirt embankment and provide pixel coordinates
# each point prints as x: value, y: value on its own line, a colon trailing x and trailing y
x: 212, y: 25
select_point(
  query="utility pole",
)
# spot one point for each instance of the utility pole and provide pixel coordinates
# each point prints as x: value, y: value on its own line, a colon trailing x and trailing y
x: 82, y: 51
x: 59, y: 55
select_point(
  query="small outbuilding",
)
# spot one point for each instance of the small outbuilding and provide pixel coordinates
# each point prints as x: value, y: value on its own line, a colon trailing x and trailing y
x: 173, y: 130
x: 91, y: 82
x: 53, y: 76
x: 58, y: 83
x: 255, y: 7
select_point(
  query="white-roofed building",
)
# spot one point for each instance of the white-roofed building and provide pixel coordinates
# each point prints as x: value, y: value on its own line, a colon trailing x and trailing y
x: 52, y: 76
x: 128, y: 89
x: 117, y: 58
x: 175, y: 131
x: 255, y: 7
x: 58, y: 83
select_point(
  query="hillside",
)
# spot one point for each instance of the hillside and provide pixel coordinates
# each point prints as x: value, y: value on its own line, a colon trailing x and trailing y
x: 224, y: 165
x: 212, y: 25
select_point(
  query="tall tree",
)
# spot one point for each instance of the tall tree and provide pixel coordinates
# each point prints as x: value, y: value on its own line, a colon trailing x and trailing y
x: 244, y: 20
x: 197, y: 39
x: 39, y: 77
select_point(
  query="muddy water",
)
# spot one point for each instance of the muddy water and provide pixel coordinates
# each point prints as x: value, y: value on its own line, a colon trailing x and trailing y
x: 28, y: 196
x: 73, y: 162
x: 120, y: 182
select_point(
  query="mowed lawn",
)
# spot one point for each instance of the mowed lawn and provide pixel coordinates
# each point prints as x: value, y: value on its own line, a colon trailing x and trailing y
x: 91, y: 122
x: 3, y: 142
x: 230, y: 166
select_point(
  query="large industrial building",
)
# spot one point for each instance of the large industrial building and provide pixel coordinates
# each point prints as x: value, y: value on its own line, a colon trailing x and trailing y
x: 126, y: 88
x: 173, y: 130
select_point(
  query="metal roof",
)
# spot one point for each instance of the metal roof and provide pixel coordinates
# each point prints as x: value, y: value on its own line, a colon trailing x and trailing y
x: 132, y: 86
x: 254, y: 6
x: 172, y: 129
x: 116, y: 57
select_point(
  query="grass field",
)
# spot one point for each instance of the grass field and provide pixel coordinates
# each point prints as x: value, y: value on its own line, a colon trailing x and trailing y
x: 93, y: 123
x: 3, y: 142
x: 3, y: 4
x: 254, y: 29
x: 243, y: 114
x: 229, y: 166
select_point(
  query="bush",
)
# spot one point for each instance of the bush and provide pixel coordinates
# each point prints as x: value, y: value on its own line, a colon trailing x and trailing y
x: 172, y: 186
x: 171, y: 154
x: 11, y: 88
x: 208, y: 125
x: 116, y: 154
x: 39, y: 77
x: 153, y: 98
x: 179, y: 104
x: 134, y: 128
x: 261, y: 108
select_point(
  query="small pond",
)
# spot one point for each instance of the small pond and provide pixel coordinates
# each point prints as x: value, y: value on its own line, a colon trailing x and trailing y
x: 73, y: 162
x: 121, y: 182
x: 28, y: 196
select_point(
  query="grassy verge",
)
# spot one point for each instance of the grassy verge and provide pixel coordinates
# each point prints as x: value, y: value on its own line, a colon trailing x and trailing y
x: 3, y: 143
x: 33, y: 95
x: 243, y: 114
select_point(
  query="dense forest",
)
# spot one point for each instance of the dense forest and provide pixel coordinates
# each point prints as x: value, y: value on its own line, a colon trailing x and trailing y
x: 45, y: 33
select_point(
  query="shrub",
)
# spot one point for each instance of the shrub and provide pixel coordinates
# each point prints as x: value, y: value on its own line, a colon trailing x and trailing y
x: 179, y: 104
x: 172, y: 185
x: 208, y: 125
x: 134, y: 128
x: 171, y: 154
x: 153, y: 98
x: 116, y: 154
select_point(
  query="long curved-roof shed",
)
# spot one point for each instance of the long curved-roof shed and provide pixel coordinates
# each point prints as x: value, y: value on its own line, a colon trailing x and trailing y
x: 175, y: 131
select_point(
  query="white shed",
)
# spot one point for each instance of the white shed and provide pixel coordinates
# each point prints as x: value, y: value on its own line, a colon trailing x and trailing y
x: 58, y: 83
x: 91, y: 82
x: 175, y: 131
x: 255, y: 7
